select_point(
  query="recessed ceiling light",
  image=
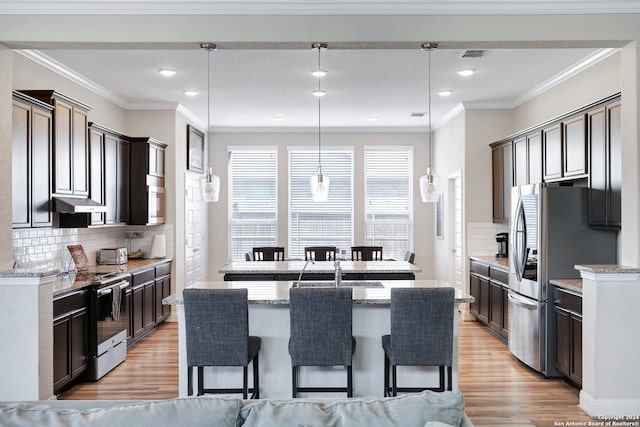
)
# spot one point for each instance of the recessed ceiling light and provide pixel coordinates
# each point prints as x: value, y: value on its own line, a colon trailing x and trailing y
x: 319, y: 73
x: 466, y: 72
x: 374, y: 118
x: 279, y: 118
x: 319, y: 93
x: 446, y: 92
x: 167, y: 73
x: 190, y: 92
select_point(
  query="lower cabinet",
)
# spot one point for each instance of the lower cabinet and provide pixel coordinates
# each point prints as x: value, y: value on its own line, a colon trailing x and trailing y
x: 489, y: 286
x: 568, y: 328
x: 70, y: 338
x: 148, y: 288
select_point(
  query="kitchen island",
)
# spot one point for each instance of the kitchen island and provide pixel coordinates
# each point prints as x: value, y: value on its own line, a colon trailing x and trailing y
x: 319, y: 270
x: 269, y: 319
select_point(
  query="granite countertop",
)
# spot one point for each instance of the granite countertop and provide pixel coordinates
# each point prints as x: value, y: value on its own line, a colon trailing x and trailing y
x: 502, y: 263
x: 277, y: 292
x: 66, y: 282
x: 280, y: 267
x: 608, y: 268
x: 570, y: 284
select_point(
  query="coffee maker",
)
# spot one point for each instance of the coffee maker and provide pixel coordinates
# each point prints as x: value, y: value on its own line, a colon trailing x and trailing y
x: 503, y: 245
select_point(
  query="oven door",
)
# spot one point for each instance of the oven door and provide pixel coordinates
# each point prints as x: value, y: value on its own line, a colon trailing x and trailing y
x: 111, y: 315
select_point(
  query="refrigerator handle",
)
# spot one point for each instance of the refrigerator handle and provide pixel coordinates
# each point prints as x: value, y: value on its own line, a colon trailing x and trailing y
x: 525, y: 302
x: 519, y: 232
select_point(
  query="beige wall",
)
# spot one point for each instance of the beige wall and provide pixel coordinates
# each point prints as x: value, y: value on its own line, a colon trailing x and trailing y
x: 6, y: 72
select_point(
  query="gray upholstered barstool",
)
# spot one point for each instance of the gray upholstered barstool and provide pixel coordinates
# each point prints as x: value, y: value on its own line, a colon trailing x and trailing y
x: 421, y: 334
x: 321, y: 333
x: 217, y: 334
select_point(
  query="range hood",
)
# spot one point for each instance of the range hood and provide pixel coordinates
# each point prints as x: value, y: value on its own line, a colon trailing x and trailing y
x: 73, y: 205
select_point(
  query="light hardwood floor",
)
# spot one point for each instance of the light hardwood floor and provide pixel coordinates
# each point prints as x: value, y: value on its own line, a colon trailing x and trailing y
x: 498, y: 390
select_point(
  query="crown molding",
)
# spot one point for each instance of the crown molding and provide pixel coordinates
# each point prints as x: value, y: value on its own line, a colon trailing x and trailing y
x: 300, y: 7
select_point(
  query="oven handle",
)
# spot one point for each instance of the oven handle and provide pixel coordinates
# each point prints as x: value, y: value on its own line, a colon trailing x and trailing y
x: 124, y: 284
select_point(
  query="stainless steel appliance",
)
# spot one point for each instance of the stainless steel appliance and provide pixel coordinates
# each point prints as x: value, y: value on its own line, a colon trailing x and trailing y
x: 109, y: 320
x: 549, y: 236
x: 113, y: 256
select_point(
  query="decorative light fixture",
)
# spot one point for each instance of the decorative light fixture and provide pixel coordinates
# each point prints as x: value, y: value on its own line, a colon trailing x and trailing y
x: 445, y: 92
x: 429, y: 183
x: 167, y: 72
x: 466, y: 72
x: 190, y: 92
x: 319, y: 182
x: 209, y: 182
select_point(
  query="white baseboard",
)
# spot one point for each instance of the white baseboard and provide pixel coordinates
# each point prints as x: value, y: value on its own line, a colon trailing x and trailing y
x: 609, y: 407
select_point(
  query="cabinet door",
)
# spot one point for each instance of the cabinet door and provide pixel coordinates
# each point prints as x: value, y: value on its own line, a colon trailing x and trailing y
x: 505, y: 312
x: 534, y: 151
x: 149, y: 306
x: 507, y: 181
x: 496, y: 161
x: 20, y: 156
x: 162, y: 290
x: 576, y: 349
x: 122, y: 181
x: 474, y: 289
x: 97, y: 175
x: 614, y: 122
x: 110, y: 181
x: 41, y: 142
x: 574, y: 147
x: 138, y: 311
x: 596, y: 132
x: 485, y: 300
x: 79, y: 354
x: 502, y: 168
x: 129, y: 300
x: 61, y: 345
x: 80, y: 153
x: 552, y: 152
x: 495, y: 306
x: 63, y: 165
x: 563, y: 341
x: 521, y: 162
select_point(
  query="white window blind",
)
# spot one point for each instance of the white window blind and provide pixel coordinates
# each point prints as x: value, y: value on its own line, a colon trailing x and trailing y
x: 388, y: 175
x: 253, y: 200
x: 327, y: 223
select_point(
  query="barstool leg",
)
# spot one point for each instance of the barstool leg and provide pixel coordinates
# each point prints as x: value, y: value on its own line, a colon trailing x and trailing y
x: 200, y: 380
x: 441, y: 378
x: 386, y: 375
x: 245, y: 382
x: 349, y: 381
x: 294, y: 379
x: 189, y: 380
x: 450, y: 375
x: 256, y: 379
x: 394, y: 383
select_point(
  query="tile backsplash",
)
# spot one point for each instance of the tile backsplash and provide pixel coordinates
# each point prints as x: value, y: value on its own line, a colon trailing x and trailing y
x: 46, y: 248
x: 481, y: 237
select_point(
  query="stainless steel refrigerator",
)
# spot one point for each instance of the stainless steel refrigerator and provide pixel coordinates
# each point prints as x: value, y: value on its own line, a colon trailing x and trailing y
x: 549, y: 235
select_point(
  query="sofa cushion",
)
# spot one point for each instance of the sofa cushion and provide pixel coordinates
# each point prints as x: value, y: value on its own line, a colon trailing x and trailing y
x: 406, y: 411
x: 192, y: 411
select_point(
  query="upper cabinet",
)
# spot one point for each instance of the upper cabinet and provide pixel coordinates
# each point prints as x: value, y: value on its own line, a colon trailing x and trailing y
x: 147, y: 182
x: 502, y: 165
x: 579, y: 146
x: 70, y: 143
x: 109, y: 160
x: 31, y: 161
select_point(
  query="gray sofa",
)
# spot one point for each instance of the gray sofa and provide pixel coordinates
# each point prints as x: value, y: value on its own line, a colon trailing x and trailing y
x: 425, y: 409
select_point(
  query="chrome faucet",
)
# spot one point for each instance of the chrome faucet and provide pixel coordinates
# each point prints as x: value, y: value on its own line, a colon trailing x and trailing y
x: 297, y: 284
x: 338, y: 273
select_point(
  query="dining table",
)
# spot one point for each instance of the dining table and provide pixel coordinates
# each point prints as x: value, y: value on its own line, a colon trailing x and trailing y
x: 292, y: 270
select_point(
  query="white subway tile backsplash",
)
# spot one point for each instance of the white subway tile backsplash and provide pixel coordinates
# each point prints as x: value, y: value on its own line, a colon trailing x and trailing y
x: 481, y: 238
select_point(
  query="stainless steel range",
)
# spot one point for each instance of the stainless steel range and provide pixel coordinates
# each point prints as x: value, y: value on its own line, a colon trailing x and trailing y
x: 108, y: 324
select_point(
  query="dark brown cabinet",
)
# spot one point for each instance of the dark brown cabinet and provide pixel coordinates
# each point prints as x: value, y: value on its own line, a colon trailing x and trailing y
x: 565, y: 149
x: 605, y: 179
x: 70, y: 143
x: 552, y: 152
x: 502, y: 167
x: 148, y: 288
x: 31, y: 161
x: 109, y: 159
x: 568, y: 329
x: 147, y: 182
x: 488, y: 286
x: 70, y: 339
x: 527, y: 159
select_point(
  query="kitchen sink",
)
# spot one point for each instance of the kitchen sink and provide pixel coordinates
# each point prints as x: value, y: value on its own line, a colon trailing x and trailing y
x: 345, y: 284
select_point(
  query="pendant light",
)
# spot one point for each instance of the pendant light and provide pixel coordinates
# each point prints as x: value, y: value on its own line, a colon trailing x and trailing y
x: 429, y: 183
x: 319, y: 182
x: 209, y: 182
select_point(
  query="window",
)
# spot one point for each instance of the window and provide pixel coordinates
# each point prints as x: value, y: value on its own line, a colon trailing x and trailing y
x: 327, y: 223
x: 388, y: 187
x: 253, y: 200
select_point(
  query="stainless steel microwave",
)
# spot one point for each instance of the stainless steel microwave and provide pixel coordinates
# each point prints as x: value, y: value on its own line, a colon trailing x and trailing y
x: 112, y: 256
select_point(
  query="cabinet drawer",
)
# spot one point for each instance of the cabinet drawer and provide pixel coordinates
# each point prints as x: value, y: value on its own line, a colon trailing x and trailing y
x: 143, y: 276
x: 568, y: 301
x: 479, y: 268
x: 499, y: 275
x: 163, y: 270
x: 69, y: 302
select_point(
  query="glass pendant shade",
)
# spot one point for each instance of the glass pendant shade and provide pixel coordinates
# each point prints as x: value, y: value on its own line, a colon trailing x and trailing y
x: 319, y: 187
x: 429, y: 187
x: 210, y: 186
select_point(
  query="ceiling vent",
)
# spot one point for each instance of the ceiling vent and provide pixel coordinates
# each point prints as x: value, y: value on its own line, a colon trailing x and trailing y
x: 473, y: 53
x: 417, y: 114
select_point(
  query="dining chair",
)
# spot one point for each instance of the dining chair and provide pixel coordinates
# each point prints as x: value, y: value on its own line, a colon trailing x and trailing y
x: 366, y: 253
x: 321, y: 333
x: 410, y: 257
x: 320, y: 253
x: 217, y: 334
x: 421, y: 335
x: 268, y: 253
